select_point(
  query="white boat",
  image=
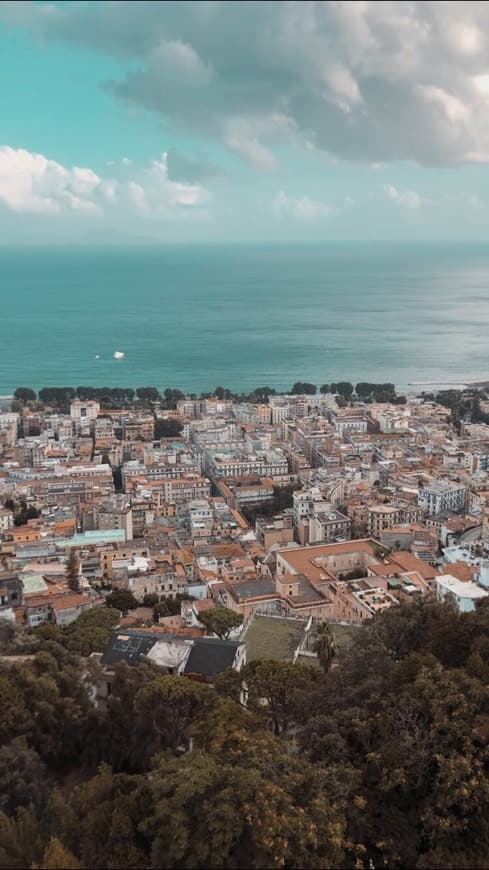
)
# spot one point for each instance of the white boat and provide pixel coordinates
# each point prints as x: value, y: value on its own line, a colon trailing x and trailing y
x: 118, y: 354
x: 97, y: 356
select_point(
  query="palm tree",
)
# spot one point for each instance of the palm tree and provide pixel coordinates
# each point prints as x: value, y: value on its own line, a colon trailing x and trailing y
x: 324, y: 645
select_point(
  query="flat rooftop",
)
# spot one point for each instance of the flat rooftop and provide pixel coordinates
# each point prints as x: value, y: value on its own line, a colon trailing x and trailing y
x: 273, y: 637
x: 85, y: 539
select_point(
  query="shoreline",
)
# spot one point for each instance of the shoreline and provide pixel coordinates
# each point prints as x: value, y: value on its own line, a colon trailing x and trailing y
x: 401, y: 389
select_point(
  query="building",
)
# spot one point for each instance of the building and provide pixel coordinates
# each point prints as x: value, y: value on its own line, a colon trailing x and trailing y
x: 83, y: 414
x: 201, y: 658
x: 349, y: 420
x: 6, y: 520
x: 10, y: 590
x: 465, y: 594
x: 328, y: 526
x: 385, y: 516
x: 439, y: 496
x: 275, y: 530
x: 269, y: 464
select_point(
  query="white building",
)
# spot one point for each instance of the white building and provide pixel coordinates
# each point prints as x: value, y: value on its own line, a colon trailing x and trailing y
x: 270, y: 463
x: 6, y: 520
x: 464, y: 594
x: 349, y: 421
x: 440, y: 496
x: 83, y: 413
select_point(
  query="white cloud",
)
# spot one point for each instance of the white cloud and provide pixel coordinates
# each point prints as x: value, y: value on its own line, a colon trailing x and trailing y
x: 370, y: 81
x: 454, y: 109
x: 31, y: 182
x: 303, y: 208
x: 252, y: 151
x: 409, y: 199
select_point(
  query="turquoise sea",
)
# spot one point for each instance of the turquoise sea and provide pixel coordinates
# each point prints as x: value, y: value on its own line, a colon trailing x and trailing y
x: 243, y: 316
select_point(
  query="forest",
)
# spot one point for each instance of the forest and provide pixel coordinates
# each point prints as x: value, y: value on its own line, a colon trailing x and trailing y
x: 380, y: 761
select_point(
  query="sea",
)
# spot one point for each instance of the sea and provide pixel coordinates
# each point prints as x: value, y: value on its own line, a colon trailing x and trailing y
x: 242, y: 316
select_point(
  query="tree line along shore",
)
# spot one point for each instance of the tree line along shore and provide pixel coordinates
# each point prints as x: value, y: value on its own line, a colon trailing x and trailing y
x: 63, y: 395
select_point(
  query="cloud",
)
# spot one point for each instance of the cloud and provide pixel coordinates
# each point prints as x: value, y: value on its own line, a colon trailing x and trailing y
x: 364, y: 81
x: 191, y: 170
x: 409, y: 199
x: 302, y: 208
x: 32, y: 183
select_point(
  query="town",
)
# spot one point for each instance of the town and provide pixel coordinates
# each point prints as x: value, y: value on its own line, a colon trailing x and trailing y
x: 243, y: 630
x: 286, y: 511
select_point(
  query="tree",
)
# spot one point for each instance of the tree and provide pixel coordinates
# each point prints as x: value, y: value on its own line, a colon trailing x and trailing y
x: 148, y: 394
x: 325, y: 388
x: 282, y: 686
x: 150, y: 599
x: 60, y: 396
x: 172, y: 397
x: 324, y: 645
x: 261, y: 394
x: 129, y: 739
x: 22, y: 512
x: 170, y: 606
x: 212, y: 810
x: 109, y: 810
x: 24, y: 779
x: 220, y: 621
x: 170, y: 704
x: 344, y: 389
x: 15, y: 716
x: 89, y: 633
x: 73, y: 570
x: 304, y: 389
x: 57, y: 857
x: 122, y: 599
x: 25, y: 394
x: 167, y: 428
x: 20, y: 840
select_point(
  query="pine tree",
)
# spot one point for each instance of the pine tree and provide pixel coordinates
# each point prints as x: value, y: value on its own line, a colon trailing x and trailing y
x: 73, y: 571
x: 58, y: 857
x: 324, y: 645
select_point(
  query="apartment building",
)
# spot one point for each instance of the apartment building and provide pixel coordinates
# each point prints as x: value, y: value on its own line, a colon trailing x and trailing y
x: 328, y: 526
x: 271, y: 464
x: 440, y: 496
x: 385, y: 516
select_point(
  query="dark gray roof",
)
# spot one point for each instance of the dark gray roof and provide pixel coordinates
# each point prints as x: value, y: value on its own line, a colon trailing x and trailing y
x: 128, y: 645
x: 252, y: 588
x: 210, y: 656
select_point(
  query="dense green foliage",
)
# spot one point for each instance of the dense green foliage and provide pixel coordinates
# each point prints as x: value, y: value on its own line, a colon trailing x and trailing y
x: 463, y: 405
x: 73, y: 570
x: 115, y: 397
x: 121, y: 599
x: 220, y: 621
x: 25, y: 394
x: 282, y: 499
x: 22, y: 513
x: 168, y: 606
x: 87, y: 634
x: 167, y: 428
x: 148, y: 394
x: 58, y: 396
x: 304, y: 388
x: 380, y: 761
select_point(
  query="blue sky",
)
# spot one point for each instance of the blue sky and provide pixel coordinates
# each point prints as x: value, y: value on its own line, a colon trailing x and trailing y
x: 217, y: 121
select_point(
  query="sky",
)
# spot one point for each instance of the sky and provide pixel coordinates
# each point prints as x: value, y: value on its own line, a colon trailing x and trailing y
x: 243, y: 121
